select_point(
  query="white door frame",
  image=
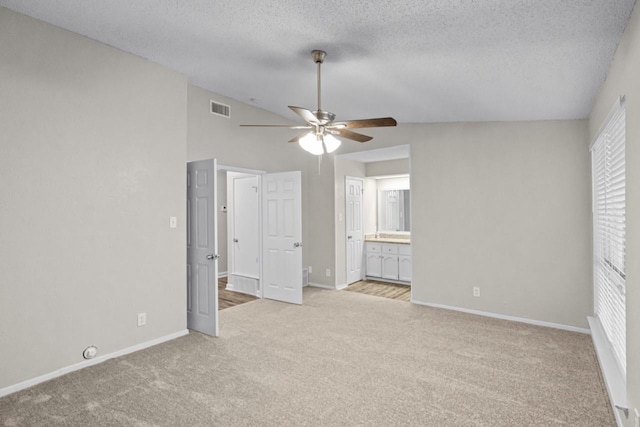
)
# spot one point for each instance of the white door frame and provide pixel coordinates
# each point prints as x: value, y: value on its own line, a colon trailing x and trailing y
x: 346, y: 235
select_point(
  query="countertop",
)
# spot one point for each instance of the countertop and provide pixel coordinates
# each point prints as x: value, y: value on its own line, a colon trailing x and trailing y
x: 387, y: 240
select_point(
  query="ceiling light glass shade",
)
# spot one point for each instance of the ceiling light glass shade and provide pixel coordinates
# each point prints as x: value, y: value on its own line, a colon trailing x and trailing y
x: 312, y: 143
x: 331, y: 143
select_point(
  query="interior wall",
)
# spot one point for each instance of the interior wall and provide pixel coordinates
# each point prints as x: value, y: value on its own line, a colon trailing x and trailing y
x: 388, y: 167
x: 502, y: 206
x: 343, y: 168
x: 622, y: 79
x: 93, y: 165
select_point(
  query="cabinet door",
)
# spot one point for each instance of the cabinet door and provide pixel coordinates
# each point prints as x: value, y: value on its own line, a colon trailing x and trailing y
x: 404, y: 268
x: 390, y: 267
x: 374, y: 265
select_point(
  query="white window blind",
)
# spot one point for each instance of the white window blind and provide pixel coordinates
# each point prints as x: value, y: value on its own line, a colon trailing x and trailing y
x: 608, y: 172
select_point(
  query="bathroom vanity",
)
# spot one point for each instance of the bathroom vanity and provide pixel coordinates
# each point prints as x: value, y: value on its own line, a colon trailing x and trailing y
x: 388, y: 259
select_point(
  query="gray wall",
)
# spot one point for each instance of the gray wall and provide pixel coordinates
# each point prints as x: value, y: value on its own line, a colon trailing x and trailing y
x: 622, y: 79
x: 388, y: 167
x: 506, y: 207
x: 92, y: 165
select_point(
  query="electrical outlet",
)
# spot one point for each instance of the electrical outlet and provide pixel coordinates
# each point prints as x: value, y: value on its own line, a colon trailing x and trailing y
x: 328, y: 272
x: 476, y: 291
x: 142, y: 319
x: 173, y: 222
x: 310, y: 269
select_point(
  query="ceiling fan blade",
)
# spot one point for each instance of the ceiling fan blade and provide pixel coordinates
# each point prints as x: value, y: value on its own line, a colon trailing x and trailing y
x: 307, y: 115
x: 299, y: 137
x: 278, y: 126
x: 352, y: 135
x: 366, y: 123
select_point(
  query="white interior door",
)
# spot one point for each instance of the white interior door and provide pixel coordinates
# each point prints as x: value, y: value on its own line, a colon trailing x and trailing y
x: 282, y: 236
x: 202, y: 247
x: 355, y: 231
x: 246, y: 227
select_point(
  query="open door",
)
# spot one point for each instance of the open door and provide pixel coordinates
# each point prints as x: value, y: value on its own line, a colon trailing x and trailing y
x: 202, y: 247
x: 282, y: 236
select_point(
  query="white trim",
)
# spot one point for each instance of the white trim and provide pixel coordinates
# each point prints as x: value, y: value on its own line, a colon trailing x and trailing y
x: 506, y: 317
x: 341, y: 287
x: 319, y: 285
x: 222, y: 274
x: 613, y: 378
x: 86, y: 363
x: 619, y: 103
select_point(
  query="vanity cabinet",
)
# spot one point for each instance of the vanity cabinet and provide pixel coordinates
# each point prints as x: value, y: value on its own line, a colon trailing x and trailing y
x: 390, y: 261
x: 374, y: 260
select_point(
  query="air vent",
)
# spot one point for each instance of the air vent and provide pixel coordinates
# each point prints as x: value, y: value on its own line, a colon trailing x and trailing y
x: 220, y: 109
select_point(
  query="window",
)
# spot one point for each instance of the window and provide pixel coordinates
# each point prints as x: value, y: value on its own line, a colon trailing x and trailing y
x: 608, y: 174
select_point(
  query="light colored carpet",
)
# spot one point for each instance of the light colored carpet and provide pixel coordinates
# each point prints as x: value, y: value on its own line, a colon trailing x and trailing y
x: 342, y: 358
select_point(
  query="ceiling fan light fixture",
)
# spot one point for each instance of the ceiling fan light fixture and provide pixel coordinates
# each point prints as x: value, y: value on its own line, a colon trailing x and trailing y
x: 312, y: 143
x: 331, y: 143
x: 321, y: 127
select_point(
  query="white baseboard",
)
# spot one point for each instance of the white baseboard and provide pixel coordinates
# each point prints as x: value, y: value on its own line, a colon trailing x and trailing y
x: 506, y: 317
x: 341, y: 287
x: 86, y: 363
x: 613, y: 378
x: 222, y: 274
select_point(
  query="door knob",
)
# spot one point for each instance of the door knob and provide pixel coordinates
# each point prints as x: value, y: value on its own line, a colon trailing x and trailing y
x: 235, y: 240
x: 213, y: 256
x: 348, y: 237
x: 297, y: 244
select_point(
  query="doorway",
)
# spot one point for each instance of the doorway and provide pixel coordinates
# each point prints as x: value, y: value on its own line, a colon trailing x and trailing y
x: 385, y: 254
x: 243, y: 231
x: 277, y: 229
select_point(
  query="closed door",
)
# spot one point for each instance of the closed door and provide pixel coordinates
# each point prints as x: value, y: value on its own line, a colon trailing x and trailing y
x: 202, y: 246
x: 282, y: 236
x: 355, y: 232
x: 246, y: 227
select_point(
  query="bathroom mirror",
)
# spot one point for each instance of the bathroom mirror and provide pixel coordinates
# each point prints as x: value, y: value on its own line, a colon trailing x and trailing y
x: 393, y: 211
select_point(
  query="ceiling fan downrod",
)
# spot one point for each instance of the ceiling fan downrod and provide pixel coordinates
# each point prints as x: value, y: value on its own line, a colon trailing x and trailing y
x: 318, y: 58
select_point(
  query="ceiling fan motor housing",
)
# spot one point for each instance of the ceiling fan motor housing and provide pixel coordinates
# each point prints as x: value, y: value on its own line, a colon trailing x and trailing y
x: 324, y: 117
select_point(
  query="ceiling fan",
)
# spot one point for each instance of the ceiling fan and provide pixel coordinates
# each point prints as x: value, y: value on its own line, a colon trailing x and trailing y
x: 321, y: 128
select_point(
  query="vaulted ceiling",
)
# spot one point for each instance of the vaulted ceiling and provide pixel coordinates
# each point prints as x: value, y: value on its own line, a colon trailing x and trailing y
x: 415, y: 60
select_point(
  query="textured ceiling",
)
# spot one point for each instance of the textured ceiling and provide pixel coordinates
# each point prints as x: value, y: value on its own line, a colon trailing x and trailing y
x: 418, y: 60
